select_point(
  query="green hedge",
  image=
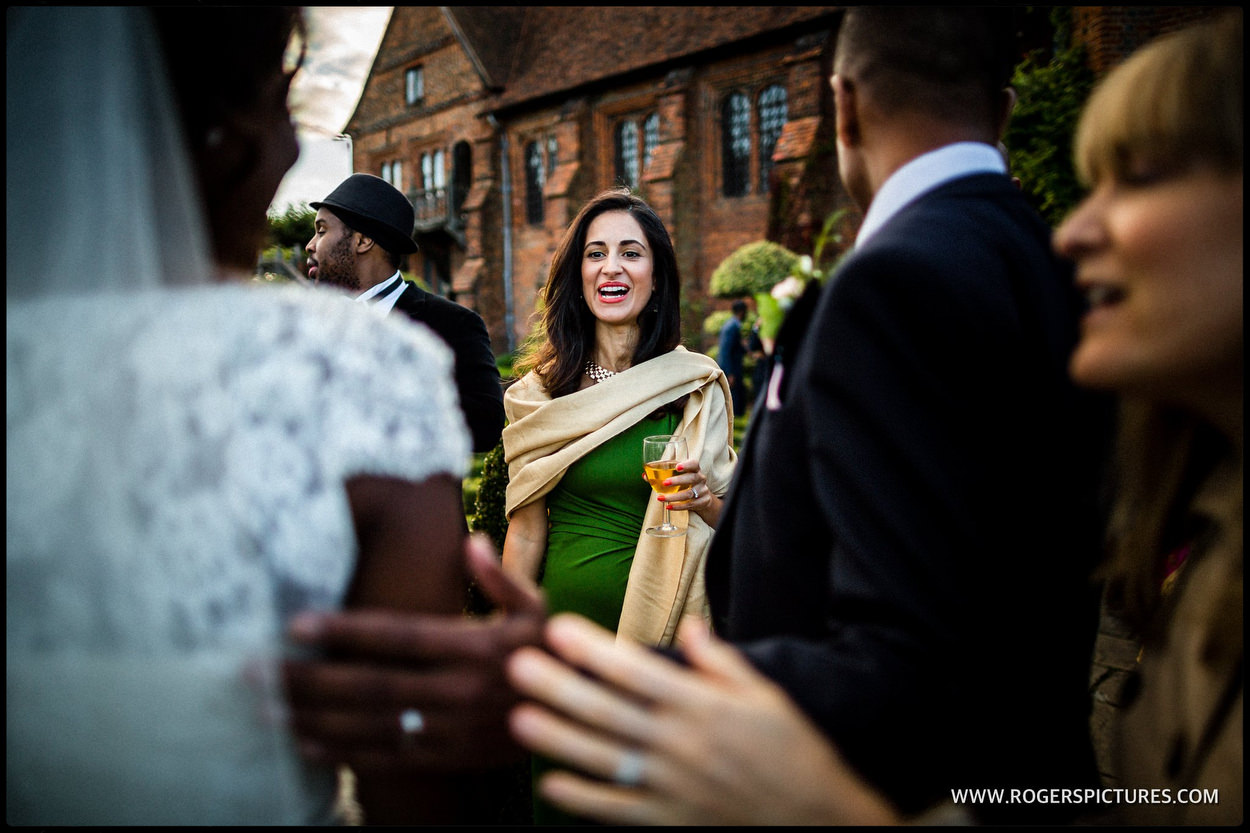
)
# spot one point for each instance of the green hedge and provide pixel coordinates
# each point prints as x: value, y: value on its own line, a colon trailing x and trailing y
x: 752, y: 268
x: 488, y: 501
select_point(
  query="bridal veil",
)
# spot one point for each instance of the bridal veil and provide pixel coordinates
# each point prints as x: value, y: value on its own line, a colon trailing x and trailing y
x: 99, y: 193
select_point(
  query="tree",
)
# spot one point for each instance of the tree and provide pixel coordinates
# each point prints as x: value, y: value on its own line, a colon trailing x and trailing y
x: 292, y: 227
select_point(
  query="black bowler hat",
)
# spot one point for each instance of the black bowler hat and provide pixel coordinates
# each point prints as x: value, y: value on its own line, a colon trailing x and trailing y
x: 372, y: 206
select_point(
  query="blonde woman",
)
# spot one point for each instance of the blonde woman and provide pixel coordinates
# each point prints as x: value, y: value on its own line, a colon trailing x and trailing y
x: 1158, y: 249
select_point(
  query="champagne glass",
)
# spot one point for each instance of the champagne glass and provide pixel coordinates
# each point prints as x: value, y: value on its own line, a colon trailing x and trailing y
x: 660, y: 456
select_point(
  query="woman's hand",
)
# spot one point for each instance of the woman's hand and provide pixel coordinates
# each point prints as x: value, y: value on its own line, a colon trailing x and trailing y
x: 696, y: 496
x: 716, y: 743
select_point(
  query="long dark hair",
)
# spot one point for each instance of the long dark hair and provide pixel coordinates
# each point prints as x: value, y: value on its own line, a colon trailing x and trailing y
x: 558, y: 353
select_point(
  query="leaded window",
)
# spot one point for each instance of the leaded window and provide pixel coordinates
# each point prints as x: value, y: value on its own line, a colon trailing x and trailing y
x: 414, y: 85
x: 535, y: 178
x: 551, y: 155
x: 627, y: 153
x: 735, y: 144
x: 650, y: 138
x: 772, y: 118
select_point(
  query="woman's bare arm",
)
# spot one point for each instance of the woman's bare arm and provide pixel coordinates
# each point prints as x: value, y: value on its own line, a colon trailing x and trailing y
x: 526, y: 542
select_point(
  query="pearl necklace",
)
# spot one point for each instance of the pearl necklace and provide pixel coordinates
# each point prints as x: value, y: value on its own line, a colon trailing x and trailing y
x: 598, y: 373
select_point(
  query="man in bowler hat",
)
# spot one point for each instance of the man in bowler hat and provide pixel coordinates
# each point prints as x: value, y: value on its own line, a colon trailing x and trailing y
x: 361, y: 231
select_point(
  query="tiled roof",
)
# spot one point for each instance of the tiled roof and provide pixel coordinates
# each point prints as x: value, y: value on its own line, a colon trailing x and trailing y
x: 490, y: 35
x: 555, y: 49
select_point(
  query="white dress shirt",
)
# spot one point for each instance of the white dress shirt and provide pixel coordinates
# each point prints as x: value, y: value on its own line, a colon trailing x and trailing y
x: 387, y: 293
x: 923, y: 174
x: 912, y: 180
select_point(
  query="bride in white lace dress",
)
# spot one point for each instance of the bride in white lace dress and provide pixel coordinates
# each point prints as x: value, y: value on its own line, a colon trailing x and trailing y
x: 187, y: 466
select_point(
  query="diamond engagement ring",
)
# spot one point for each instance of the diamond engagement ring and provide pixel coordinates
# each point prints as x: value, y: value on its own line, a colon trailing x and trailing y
x: 411, y: 722
x: 630, y: 769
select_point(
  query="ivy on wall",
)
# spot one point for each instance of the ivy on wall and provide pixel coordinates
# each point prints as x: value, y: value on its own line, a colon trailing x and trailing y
x: 1050, y: 89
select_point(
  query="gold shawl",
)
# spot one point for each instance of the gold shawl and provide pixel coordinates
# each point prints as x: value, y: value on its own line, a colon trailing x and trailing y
x: 544, y: 436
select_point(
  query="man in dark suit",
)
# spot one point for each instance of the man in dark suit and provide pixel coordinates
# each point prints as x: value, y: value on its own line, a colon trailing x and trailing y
x: 360, y: 232
x: 908, y: 541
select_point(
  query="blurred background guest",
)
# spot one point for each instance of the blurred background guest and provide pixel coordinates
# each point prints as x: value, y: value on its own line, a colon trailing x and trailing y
x: 730, y: 354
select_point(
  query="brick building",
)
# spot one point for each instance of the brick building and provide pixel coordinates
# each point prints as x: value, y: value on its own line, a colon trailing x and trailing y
x: 500, y: 122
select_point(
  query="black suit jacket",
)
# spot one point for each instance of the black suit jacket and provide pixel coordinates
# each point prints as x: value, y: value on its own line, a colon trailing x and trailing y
x: 477, y: 376
x: 908, y: 541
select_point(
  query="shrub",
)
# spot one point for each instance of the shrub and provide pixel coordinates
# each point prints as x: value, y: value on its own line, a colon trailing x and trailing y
x: 504, y: 362
x: 1051, y: 93
x: 713, y: 323
x: 753, y: 268
x: 488, y: 506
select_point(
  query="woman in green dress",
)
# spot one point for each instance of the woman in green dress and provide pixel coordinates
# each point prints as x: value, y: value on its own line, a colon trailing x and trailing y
x: 608, y: 371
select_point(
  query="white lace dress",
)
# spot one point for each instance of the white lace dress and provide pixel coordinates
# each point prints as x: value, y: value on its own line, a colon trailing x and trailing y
x: 175, y: 470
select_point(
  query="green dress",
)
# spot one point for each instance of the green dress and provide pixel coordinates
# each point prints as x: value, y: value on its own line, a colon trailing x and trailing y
x: 595, y: 516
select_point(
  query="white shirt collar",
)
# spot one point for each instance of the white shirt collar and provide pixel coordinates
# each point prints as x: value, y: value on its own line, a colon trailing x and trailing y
x: 923, y: 174
x: 387, y: 293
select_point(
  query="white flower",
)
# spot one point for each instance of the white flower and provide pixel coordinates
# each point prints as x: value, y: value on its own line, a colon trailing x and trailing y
x: 788, y: 289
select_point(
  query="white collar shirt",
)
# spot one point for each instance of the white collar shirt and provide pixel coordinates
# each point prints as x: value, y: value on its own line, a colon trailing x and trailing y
x: 386, y: 293
x: 917, y: 177
x: 923, y: 174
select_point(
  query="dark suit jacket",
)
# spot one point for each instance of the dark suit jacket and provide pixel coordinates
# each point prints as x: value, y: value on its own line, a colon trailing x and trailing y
x: 477, y: 376
x: 907, y: 543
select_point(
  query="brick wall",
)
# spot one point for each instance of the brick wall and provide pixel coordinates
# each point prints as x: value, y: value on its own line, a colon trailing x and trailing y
x: 1111, y: 33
